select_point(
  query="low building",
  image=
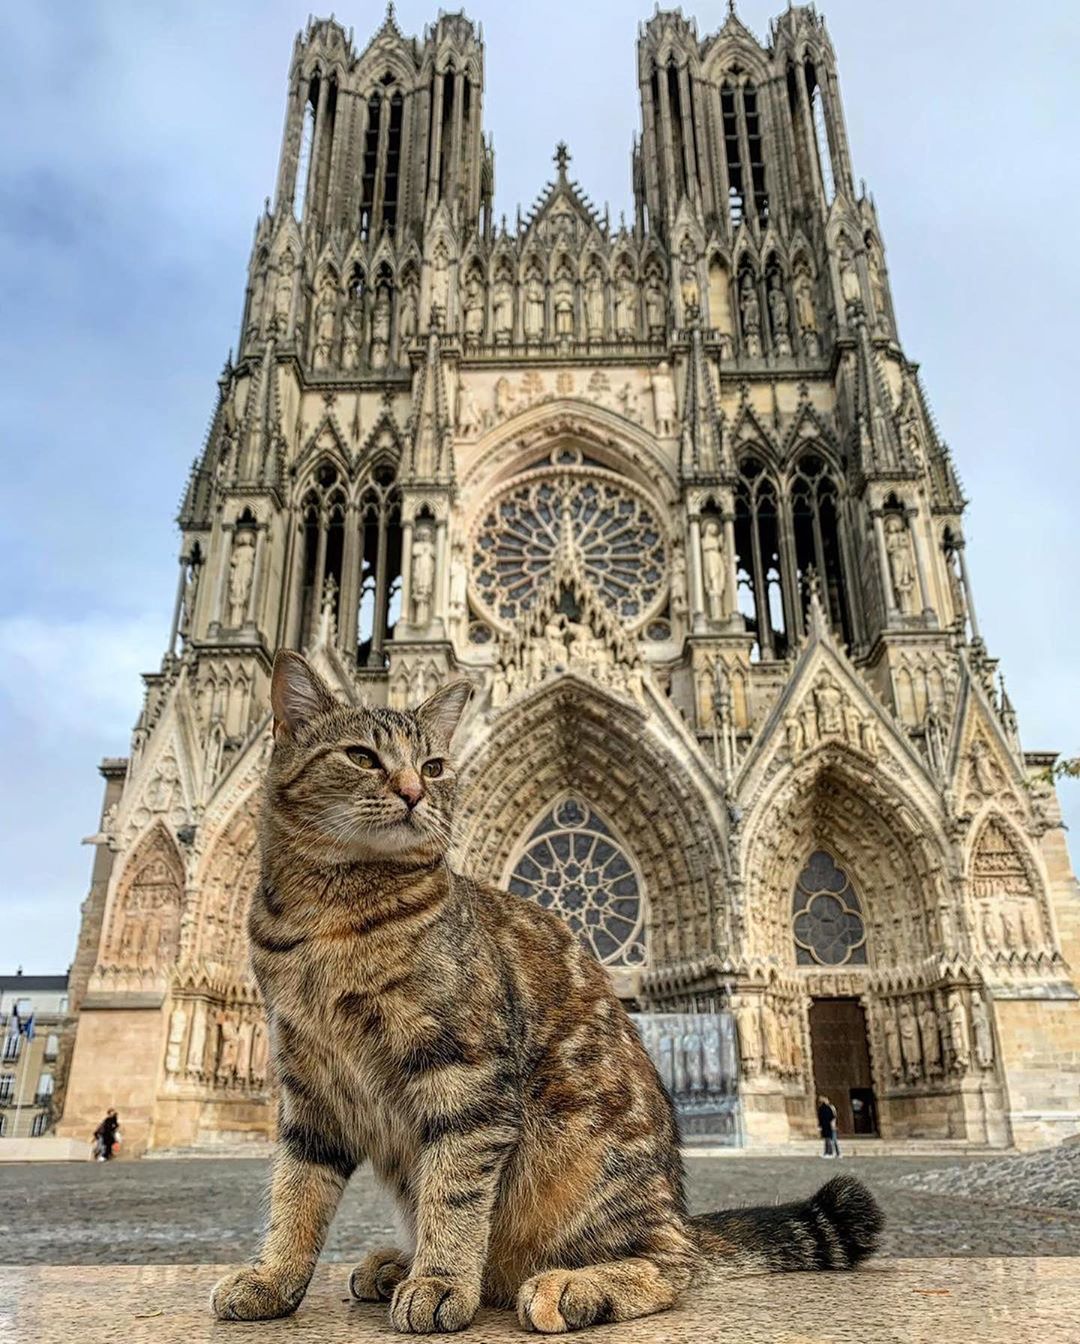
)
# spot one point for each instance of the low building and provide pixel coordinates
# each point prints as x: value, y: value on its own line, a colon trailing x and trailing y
x: 29, y: 1062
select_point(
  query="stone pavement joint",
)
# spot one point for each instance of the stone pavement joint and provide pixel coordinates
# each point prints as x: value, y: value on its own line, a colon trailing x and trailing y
x: 998, y: 1301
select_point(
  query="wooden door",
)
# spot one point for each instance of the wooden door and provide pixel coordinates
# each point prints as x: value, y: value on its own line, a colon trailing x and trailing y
x: 842, y: 1063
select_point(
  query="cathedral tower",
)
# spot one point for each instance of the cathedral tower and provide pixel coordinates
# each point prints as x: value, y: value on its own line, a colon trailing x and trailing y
x: 671, y: 495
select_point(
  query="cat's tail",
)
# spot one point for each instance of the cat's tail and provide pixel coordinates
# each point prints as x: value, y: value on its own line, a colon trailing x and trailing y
x: 834, y: 1229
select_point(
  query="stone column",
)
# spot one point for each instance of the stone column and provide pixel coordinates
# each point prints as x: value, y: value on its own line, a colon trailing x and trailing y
x: 454, y: 183
x: 732, y: 572
x: 294, y: 616
x: 911, y: 514
x: 441, y: 571
x: 891, y: 609
x: 350, y: 575
x: 316, y: 145
x: 697, y: 583
x: 959, y: 548
x: 406, y: 571
x: 689, y: 153
x: 382, y: 595
x: 436, y: 136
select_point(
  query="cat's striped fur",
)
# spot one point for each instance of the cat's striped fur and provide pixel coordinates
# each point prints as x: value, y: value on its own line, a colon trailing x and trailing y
x: 463, y: 1042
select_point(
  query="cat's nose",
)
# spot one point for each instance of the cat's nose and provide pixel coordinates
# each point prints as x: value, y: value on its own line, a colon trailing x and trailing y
x: 406, y: 784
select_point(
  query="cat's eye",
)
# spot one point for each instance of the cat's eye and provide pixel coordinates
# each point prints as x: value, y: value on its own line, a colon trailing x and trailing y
x: 366, y: 760
x: 432, y: 769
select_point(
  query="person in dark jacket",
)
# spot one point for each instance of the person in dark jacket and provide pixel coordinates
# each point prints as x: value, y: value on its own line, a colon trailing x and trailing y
x: 105, y: 1134
x: 826, y: 1118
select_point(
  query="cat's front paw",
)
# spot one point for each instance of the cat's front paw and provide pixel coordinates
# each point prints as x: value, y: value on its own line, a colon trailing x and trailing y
x: 378, y: 1274
x: 424, y: 1306
x: 251, y: 1295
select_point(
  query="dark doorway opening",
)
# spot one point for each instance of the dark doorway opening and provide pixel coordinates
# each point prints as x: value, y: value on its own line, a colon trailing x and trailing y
x: 842, y: 1064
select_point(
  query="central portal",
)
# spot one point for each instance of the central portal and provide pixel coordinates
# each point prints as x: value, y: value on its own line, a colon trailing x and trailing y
x: 842, y: 1063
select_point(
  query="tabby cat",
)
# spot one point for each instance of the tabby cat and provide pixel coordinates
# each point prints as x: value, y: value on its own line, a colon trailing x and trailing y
x: 462, y: 1041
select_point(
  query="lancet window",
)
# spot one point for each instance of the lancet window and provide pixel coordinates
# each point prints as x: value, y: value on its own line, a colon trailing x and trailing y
x: 323, y: 520
x: 574, y: 865
x: 744, y: 153
x: 758, y: 559
x: 815, y: 515
x: 379, y: 603
x: 303, y: 164
x: 827, y: 920
x: 821, y: 132
x: 380, y: 165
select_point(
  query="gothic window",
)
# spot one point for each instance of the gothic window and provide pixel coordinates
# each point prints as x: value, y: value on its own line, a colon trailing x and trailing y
x: 740, y: 120
x: 393, y: 164
x: 323, y: 515
x: 574, y: 865
x: 676, y: 120
x: 592, y: 524
x: 757, y: 154
x: 145, y: 927
x: 821, y: 132
x: 370, y: 165
x: 303, y: 162
x: 827, y: 921
x: 757, y: 558
x: 446, y: 133
x: 380, y: 572
x: 815, y: 513
x: 733, y: 154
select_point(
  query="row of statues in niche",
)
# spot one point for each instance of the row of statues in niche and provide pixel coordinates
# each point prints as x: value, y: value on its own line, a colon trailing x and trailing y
x: 363, y: 320
x: 770, y: 1038
x: 558, y: 643
x: 931, y: 1035
x: 593, y: 308
x: 227, y: 1047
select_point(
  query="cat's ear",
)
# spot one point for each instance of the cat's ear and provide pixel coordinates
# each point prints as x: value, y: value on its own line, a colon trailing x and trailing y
x: 297, y: 693
x: 440, y: 713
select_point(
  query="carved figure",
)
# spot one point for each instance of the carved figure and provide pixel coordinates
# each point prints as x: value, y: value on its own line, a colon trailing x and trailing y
x: 534, y: 308
x: 423, y: 576
x: 958, y: 1030
x: 407, y: 313
x: 474, y: 308
x: 780, y: 314
x: 353, y: 344
x: 984, y: 1036
x: 197, y: 1041
x: 931, y: 1040
x: 909, y: 1043
x: 663, y: 390
x: 750, y: 309
x: 241, y: 575
x: 228, y: 1047
x: 654, y: 304
x: 877, y: 288
x: 748, y: 1022
x: 901, y: 564
x: 594, y: 303
x: 714, y: 569
x: 625, y: 306
x: 678, y: 583
x: 805, y: 314
x: 504, y: 398
x: 502, y: 310
x: 325, y: 316
x: 892, y: 1043
x: 177, y: 1026
x: 380, y: 327
x: 983, y: 772
x: 688, y: 278
x: 850, y: 288
x: 259, y: 1052
x: 956, y: 585
x: 440, y: 282
x: 830, y: 708
x: 563, y: 303
x: 283, y: 292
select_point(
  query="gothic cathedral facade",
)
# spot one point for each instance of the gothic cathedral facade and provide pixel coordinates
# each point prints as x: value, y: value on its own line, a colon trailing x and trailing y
x: 668, y: 491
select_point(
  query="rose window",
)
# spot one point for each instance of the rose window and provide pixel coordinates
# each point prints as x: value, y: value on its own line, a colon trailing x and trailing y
x: 572, y: 864
x: 827, y: 917
x: 587, y: 522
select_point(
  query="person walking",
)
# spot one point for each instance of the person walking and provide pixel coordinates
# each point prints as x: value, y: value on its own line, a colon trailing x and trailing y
x: 106, y: 1136
x: 826, y: 1118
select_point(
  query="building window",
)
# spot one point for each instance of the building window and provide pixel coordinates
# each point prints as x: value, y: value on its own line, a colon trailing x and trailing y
x: 3, y: 1125
x: 572, y: 864
x: 39, y: 1125
x: 821, y: 133
x: 815, y: 511
x: 7, y: 1088
x: 307, y: 140
x: 827, y: 920
x: 44, y: 1090
x: 12, y: 1046
x: 757, y: 554
x: 52, y: 1045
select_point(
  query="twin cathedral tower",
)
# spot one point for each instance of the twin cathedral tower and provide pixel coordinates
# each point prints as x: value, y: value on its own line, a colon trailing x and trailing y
x: 670, y: 494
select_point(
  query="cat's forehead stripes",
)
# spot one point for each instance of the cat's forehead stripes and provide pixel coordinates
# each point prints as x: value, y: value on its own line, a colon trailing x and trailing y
x: 390, y: 731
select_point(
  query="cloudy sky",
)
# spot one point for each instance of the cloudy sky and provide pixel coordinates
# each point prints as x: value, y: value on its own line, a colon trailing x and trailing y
x: 141, y: 142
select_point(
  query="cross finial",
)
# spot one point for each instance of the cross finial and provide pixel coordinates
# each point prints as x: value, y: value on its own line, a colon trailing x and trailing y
x: 562, y: 157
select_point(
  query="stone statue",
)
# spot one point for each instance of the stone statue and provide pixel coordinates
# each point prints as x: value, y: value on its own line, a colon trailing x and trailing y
x: 749, y: 1024
x: 956, y: 585
x: 534, y: 308
x: 877, y: 289
x: 931, y: 1040
x: 502, y: 310
x: 380, y: 327
x: 663, y: 390
x: 983, y: 774
x: 177, y: 1025
x: 773, y: 1044
x: 325, y: 316
x: 805, y: 314
x: 909, y: 1042
x: 283, y: 292
x: 353, y: 344
x: 901, y: 565
x: 469, y: 419
x: 892, y: 1043
x: 780, y: 314
x: 796, y: 738
x: 474, y: 308
x: 988, y: 932
x: 499, y: 687
x: 830, y: 708
x: 241, y: 576
x: 750, y: 309
x: 228, y: 1047
x: 1009, y: 928
x: 243, y: 1053
x: 625, y: 307
x: 197, y: 1040
x: 459, y: 582
x: 654, y: 304
x: 850, y: 288
x: 958, y: 1030
x: 191, y: 589
x: 594, y: 303
x: 440, y: 281
x: 563, y: 303
x: 714, y: 569
x: 423, y: 576
x: 688, y: 277
x: 407, y: 313
x: 259, y: 1053
x: 984, y: 1037
x: 504, y: 398
x: 678, y: 583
